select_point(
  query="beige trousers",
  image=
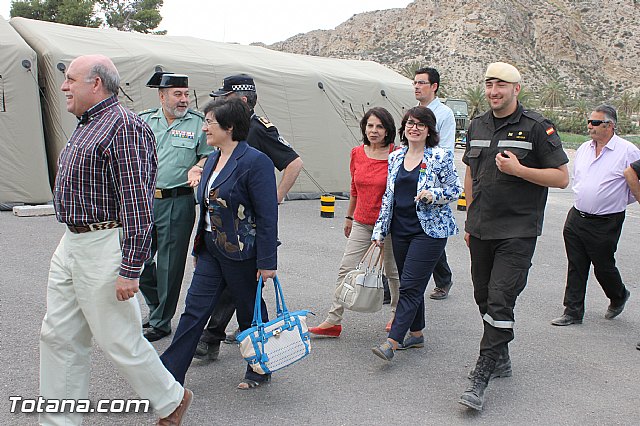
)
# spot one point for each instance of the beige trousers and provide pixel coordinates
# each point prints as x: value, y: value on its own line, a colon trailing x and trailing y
x: 81, y: 304
x: 357, y: 244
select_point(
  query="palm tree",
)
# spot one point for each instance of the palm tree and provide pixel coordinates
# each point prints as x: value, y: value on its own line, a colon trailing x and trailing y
x: 527, y: 99
x: 582, y: 108
x: 477, y: 101
x: 627, y: 104
x: 443, y: 88
x: 409, y: 69
x: 553, y: 94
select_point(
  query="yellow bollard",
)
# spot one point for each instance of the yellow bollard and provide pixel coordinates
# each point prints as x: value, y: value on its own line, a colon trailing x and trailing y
x: 327, y: 205
x: 462, y: 203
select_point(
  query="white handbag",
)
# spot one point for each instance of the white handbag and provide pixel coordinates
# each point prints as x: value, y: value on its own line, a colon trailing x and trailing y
x: 362, y: 289
x: 268, y: 347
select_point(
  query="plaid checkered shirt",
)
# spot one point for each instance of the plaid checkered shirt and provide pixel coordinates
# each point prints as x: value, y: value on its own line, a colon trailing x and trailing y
x: 107, y: 172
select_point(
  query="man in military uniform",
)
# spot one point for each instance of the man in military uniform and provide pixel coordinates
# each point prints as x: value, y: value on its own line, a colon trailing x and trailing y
x: 264, y: 136
x: 513, y: 156
x: 182, y: 149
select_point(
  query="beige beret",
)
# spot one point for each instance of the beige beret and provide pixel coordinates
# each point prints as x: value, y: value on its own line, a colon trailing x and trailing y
x: 502, y: 71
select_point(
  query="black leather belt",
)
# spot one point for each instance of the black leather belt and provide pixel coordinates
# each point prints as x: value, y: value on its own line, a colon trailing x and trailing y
x: 596, y: 216
x: 173, y: 192
x: 81, y: 229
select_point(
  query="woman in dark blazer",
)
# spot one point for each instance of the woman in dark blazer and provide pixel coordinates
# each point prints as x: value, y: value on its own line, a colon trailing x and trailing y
x: 236, y: 237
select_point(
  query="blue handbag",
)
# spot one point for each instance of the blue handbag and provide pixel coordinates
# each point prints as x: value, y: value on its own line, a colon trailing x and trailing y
x: 268, y: 347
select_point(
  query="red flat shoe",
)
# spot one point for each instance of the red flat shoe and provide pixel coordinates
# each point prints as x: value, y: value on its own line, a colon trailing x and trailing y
x: 388, y: 327
x: 333, y: 331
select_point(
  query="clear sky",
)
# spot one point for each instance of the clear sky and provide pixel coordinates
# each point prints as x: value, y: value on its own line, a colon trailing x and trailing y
x: 248, y: 21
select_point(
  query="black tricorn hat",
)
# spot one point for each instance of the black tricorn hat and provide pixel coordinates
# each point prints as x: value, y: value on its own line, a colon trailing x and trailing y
x: 162, y: 80
x: 235, y: 83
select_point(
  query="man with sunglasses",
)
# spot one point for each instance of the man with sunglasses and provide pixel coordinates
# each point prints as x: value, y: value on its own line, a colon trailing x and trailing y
x: 594, y: 223
x: 513, y: 156
x: 426, y: 83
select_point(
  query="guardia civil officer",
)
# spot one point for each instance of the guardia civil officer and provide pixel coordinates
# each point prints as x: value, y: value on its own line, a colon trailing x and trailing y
x: 513, y: 155
x: 182, y: 149
x: 263, y: 136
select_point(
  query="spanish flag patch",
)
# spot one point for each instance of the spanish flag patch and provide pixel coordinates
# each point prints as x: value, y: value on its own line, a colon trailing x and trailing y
x: 550, y: 131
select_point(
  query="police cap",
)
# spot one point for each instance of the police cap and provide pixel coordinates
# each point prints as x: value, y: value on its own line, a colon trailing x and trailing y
x: 162, y: 80
x: 235, y: 83
x: 502, y: 71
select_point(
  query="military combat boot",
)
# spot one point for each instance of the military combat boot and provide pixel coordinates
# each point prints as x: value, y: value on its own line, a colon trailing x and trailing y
x: 473, y: 397
x: 503, y: 367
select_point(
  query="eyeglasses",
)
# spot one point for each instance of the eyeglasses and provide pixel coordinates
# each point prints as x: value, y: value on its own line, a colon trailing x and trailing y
x: 420, y: 83
x: 208, y: 122
x: 596, y: 123
x: 416, y: 124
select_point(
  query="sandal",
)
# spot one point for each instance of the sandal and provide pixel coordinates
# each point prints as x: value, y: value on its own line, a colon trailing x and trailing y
x: 250, y: 383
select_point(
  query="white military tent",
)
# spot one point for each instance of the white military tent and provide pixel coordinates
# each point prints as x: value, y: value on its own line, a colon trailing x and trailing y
x: 23, y: 163
x: 316, y: 103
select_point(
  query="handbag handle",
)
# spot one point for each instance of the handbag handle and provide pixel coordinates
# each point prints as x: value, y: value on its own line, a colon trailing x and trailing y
x: 368, y: 257
x: 281, y: 307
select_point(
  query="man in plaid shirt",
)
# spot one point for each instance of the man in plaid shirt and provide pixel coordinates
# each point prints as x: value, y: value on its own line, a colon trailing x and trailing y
x: 103, y: 193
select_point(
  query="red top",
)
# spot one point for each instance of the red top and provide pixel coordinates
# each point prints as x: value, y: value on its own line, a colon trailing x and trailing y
x: 368, y: 182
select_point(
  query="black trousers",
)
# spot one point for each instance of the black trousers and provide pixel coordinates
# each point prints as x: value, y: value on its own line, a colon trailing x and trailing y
x: 442, y: 273
x: 591, y: 240
x: 215, y: 332
x: 499, y: 270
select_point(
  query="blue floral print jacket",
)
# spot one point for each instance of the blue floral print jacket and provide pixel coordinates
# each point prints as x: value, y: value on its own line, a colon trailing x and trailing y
x: 438, y: 175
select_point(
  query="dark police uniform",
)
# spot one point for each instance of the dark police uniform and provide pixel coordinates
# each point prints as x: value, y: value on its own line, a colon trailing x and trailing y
x: 505, y: 217
x: 264, y: 136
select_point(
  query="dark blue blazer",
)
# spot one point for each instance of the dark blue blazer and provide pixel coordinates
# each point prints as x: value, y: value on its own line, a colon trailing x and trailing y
x: 243, y: 207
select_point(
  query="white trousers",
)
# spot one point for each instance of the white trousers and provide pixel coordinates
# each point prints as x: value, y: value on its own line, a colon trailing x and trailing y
x: 357, y: 244
x: 81, y: 304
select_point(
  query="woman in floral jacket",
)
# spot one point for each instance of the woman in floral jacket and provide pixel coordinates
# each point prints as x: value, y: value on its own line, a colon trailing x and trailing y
x: 236, y: 238
x: 421, y: 182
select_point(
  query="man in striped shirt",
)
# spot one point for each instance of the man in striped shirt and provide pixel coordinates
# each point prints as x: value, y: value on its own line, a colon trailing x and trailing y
x: 103, y: 193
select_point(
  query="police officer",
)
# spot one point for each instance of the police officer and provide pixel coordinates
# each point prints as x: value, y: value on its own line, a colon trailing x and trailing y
x: 182, y: 149
x: 512, y: 155
x: 264, y: 136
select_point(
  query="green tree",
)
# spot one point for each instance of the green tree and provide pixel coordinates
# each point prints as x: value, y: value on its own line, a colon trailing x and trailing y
x: 132, y: 15
x: 80, y: 13
x: 527, y: 99
x: 627, y: 104
x: 409, y: 69
x: 477, y: 101
x: 582, y: 108
x: 553, y: 95
x: 126, y: 15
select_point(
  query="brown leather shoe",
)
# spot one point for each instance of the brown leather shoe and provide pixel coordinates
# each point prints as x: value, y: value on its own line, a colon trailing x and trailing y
x: 175, y: 418
x: 439, y: 294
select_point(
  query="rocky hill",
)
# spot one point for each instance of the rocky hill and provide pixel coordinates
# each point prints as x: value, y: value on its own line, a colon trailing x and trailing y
x: 591, y: 46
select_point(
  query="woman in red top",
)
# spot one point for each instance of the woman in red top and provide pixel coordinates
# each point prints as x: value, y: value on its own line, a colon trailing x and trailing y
x: 368, y: 182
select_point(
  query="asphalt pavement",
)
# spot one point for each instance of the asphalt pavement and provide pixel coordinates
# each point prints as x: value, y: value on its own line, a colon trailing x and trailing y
x: 577, y: 375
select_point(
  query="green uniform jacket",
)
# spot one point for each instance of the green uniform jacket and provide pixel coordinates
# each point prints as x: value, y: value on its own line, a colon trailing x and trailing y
x: 179, y: 146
